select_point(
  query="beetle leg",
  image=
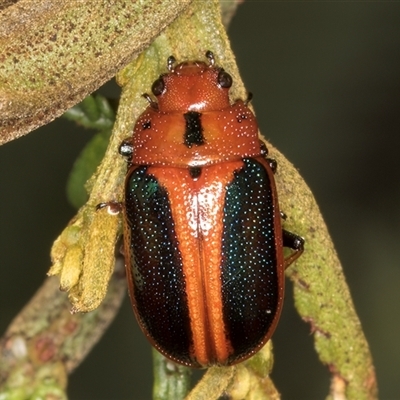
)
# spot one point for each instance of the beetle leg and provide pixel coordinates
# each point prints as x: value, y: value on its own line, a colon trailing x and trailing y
x: 113, y: 207
x: 272, y: 163
x: 126, y: 148
x: 249, y: 97
x: 294, y: 242
x: 263, y: 149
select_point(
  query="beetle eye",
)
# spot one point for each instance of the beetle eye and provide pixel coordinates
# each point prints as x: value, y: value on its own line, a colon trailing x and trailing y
x: 224, y: 79
x: 158, y: 86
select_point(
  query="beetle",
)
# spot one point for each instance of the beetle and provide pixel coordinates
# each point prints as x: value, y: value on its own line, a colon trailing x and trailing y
x: 203, y: 240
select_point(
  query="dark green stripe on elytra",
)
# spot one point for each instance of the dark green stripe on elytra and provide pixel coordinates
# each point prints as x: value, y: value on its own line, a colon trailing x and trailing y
x: 193, y: 129
x: 156, y: 265
x: 250, y: 291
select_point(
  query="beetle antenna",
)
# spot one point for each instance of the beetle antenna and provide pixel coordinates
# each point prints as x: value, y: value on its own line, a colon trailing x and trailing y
x: 153, y: 104
x: 211, y: 58
x: 249, y: 98
x: 170, y: 63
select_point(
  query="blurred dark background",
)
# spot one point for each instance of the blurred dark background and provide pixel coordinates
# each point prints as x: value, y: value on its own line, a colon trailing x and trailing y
x: 326, y: 85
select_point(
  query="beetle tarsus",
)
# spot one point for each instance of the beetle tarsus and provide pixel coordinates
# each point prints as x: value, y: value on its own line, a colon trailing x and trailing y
x: 113, y: 207
x: 294, y: 242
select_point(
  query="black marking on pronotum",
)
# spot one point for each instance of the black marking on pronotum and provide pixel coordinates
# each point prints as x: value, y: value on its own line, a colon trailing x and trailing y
x: 193, y: 129
x: 195, y: 172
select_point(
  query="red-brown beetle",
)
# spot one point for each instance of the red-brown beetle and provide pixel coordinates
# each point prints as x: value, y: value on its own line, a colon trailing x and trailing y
x: 203, y: 237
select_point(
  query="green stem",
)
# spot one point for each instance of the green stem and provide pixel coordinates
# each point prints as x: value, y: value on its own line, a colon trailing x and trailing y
x: 171, y: 381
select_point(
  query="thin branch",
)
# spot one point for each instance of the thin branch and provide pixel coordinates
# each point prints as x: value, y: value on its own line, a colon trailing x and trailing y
x: 45, y: 342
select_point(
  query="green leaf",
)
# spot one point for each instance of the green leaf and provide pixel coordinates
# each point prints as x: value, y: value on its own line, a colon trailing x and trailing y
x: 93, y: 112
x: 85, y: 166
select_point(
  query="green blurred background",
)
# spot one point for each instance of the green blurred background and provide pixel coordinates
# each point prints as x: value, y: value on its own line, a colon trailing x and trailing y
x: 326, y: 85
